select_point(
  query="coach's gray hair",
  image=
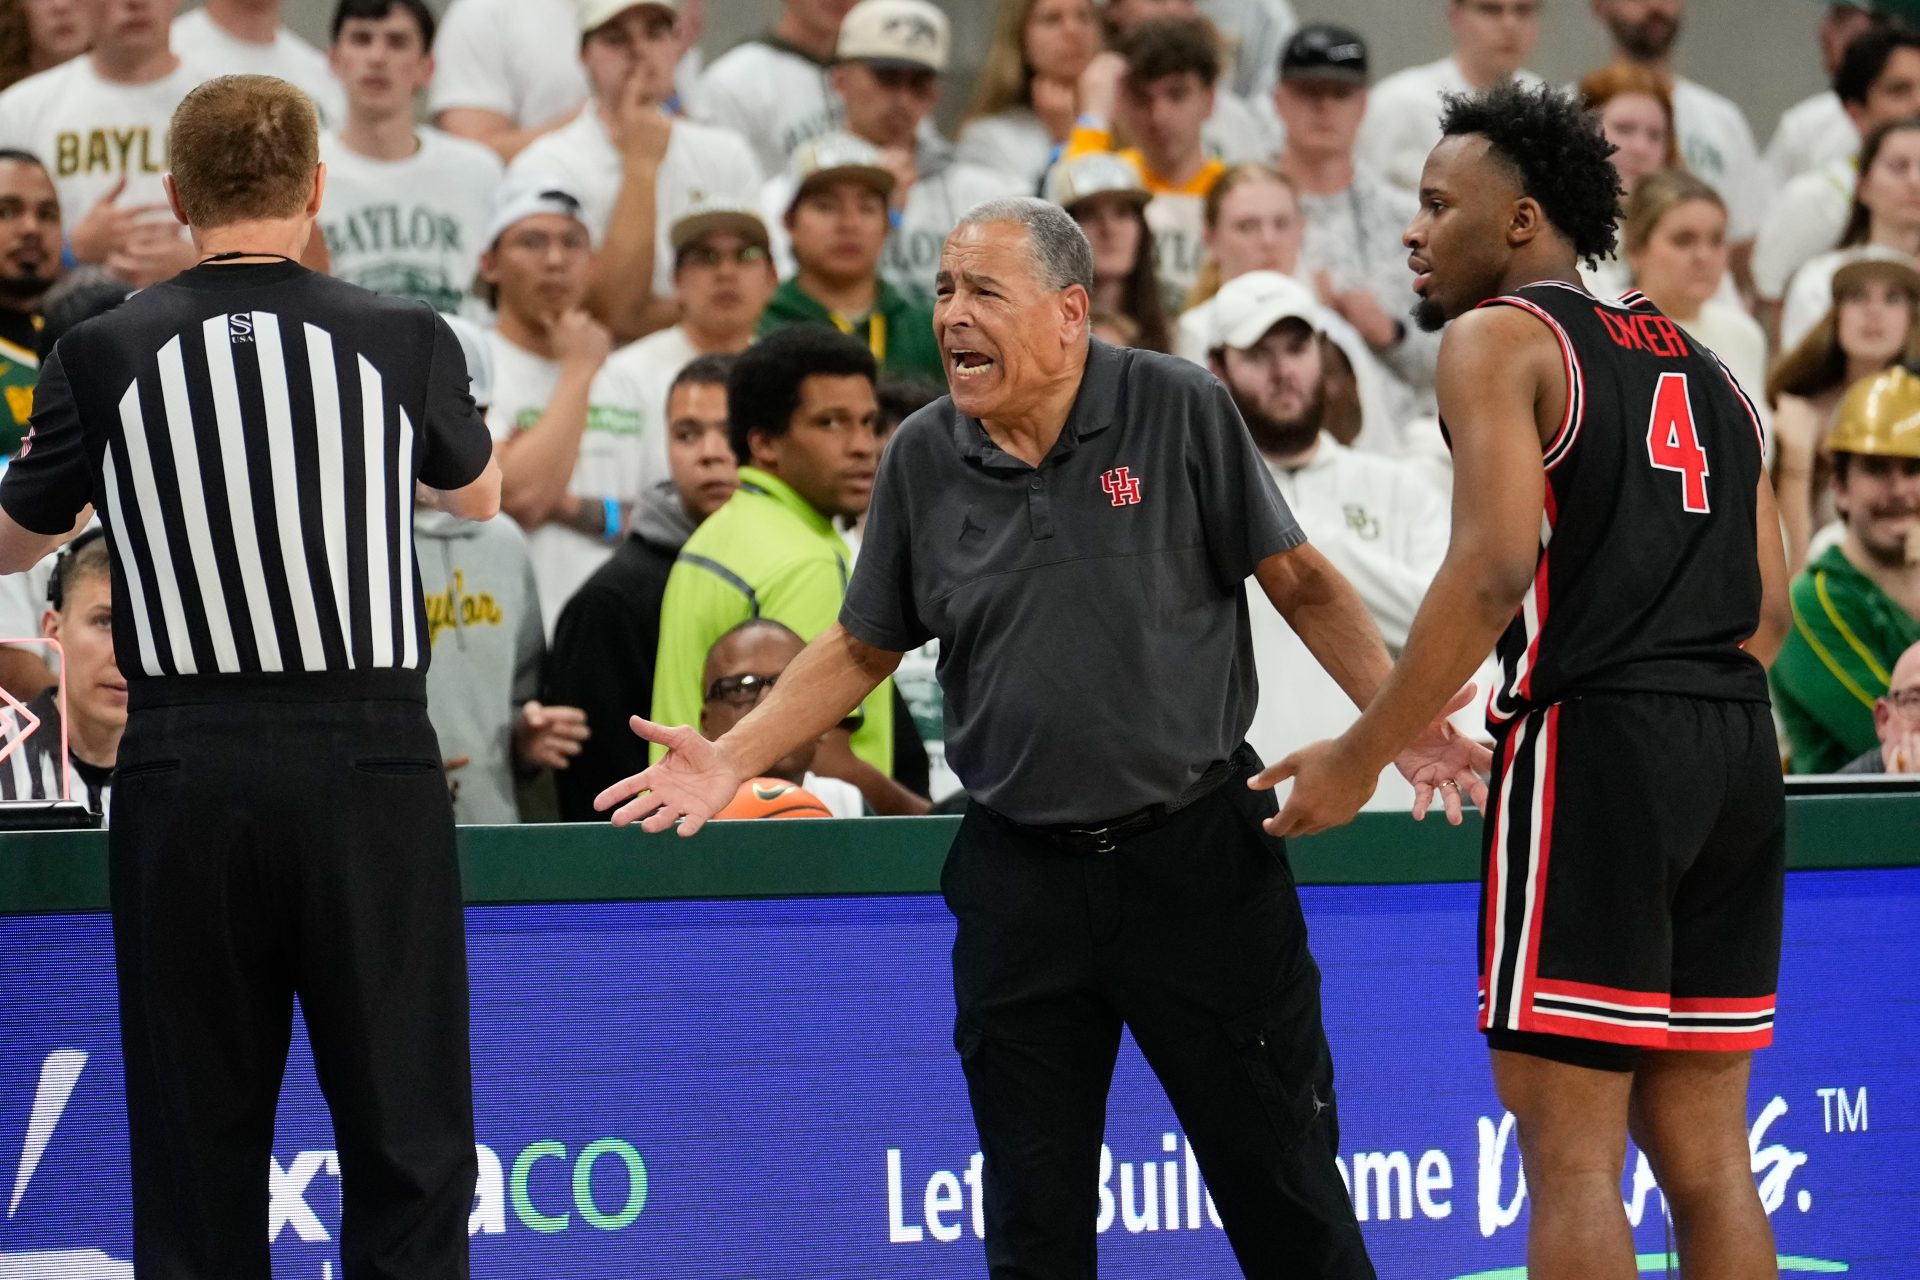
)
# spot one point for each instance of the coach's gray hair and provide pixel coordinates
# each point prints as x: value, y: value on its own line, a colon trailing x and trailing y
x: 1061, y: 254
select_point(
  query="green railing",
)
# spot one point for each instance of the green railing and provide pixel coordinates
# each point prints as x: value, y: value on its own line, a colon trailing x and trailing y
x: 67, y: 871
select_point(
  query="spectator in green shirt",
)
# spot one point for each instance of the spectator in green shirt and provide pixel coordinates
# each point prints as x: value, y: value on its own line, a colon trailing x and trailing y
x: 838, y: 222
x: 29, y: 266
x: 1856, y: 606
x: 805, y: 425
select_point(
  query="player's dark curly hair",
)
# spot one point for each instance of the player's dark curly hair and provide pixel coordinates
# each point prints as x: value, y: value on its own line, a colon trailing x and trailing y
x: 1556, y: 150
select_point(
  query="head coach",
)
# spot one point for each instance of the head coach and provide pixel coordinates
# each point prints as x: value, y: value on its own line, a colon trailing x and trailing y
x: 1075, y: 524
x: 251, y: 434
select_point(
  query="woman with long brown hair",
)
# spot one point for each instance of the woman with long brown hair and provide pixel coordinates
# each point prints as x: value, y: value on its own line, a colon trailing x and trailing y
x: 1885, y: 217
x: 1253, y: 223
x: 1028, y: 91
x: 1872, y: 325
x: 1635, y: 109
x: 1106, y: 196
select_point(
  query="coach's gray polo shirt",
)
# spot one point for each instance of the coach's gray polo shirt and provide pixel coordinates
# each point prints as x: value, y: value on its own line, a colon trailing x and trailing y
x: 1091, y: 613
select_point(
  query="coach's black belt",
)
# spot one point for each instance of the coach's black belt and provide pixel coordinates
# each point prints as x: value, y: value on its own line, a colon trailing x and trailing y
x: 1105, y: 836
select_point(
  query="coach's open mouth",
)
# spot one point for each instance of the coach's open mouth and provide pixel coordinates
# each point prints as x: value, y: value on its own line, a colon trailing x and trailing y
x: 969, y: 364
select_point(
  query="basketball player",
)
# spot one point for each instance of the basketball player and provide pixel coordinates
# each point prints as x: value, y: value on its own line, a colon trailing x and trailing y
x: 1614, y: 529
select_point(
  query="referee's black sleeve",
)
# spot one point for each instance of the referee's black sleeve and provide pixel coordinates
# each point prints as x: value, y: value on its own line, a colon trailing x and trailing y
x: 455, y: 446
x: 49, y: 481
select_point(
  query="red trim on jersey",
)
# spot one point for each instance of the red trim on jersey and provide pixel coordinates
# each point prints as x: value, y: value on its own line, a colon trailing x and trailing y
x: 1723, y: 1004
x: 1489, y: 976
x: 1529, y: 977
x: 1651, y: 1001
x: 1746, y: 402
x: 1531, y: 657
x: 1563, y: 438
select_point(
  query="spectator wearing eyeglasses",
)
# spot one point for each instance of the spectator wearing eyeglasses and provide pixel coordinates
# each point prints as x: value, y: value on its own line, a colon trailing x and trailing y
x: 886, y: 76
x: 1896, y: 719
x: 1856, y: 606
x: 804, y: 422
x: 723, y: 278
x: 741, y: 667
x: 1491, y: 41
x: 608, y: 636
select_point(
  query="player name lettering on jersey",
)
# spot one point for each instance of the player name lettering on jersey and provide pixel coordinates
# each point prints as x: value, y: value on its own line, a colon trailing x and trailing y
x: 1654, y: 334
x: 109, y: 151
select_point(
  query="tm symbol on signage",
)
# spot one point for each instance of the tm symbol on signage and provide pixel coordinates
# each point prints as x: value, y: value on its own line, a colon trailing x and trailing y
x: 1841, y: 1113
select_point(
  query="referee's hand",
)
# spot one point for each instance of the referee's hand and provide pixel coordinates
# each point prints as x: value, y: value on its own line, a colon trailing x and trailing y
x: 691, y: 784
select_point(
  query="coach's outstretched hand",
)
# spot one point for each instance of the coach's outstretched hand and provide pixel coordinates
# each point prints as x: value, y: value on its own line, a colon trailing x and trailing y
x: 691, y: 784
x: 1331, y: 782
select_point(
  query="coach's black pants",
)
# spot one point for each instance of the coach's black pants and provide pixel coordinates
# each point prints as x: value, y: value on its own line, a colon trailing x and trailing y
x: 292, y: 837
x: 1190, y: 935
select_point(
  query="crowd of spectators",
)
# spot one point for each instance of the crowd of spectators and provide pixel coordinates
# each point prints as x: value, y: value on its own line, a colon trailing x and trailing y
x: 697, y: 299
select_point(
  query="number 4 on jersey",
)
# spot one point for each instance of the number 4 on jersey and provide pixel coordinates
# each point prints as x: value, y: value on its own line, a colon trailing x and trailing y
x: 1672, y: 442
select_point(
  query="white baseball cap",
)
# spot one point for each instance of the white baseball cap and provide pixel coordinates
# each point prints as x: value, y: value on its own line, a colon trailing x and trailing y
x: 838, y: 155
x: 1101, y: 173
x: 1247, y: 307
x: 595, y: 14
x: 896, y: 33
x: 513, y: 203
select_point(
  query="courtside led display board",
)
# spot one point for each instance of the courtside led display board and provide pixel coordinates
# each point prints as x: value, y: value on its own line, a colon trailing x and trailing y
x: 767, y: 1088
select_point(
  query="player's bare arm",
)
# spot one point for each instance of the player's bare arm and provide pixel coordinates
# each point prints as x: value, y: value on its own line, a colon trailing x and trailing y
x: 1776, y: 613
x: 1327, y: 615
x: 1500, y: 378
x: 694, y: 781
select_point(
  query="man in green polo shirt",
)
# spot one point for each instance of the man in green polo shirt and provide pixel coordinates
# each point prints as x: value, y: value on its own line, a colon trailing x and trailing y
x: 838, y: 219
x: 1856, y: 607
x: 803, y: 417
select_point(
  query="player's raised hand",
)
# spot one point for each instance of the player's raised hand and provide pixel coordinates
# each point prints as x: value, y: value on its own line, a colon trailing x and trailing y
x: 691, y: 784
x: 1329, y: 786
x: 1443, y: 762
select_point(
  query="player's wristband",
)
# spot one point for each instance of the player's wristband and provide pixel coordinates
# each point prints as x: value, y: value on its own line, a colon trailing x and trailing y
x: 611, y: 509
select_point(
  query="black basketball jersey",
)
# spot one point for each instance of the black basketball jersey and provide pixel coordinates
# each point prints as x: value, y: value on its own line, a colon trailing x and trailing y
x: 1648, y: 579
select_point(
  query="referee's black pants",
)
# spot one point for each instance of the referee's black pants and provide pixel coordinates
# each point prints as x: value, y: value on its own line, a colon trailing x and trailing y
x: 273, y: 837
x: 1191, y: 936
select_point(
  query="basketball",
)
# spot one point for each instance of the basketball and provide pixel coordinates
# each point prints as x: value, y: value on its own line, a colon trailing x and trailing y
x: 774, y: 798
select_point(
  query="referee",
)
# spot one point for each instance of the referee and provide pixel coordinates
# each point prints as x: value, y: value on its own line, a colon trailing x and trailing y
x: 1075, y: 525
x: 251, y: 434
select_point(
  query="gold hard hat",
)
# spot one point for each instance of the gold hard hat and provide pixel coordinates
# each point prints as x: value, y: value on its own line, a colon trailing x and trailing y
x: 1880, y: 416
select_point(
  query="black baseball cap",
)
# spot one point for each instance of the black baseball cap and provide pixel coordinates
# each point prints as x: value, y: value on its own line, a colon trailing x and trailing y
x: 1322, y: 51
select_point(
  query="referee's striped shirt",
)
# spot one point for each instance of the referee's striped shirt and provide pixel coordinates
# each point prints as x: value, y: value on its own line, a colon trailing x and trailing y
x: 251, y: 435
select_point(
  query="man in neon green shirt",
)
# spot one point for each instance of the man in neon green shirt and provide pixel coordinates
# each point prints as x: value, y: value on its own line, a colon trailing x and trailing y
x: 803, y: 418
x: 1856, y: 607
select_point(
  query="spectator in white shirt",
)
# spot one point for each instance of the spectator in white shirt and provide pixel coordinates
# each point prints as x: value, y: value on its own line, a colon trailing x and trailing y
x: 509, y: 70
x: 1715, y: 139
x: 1257, y: 30
x: 1872, y: 325
x: 1352, y: 255
x: 246, y: 37
x: 38, y: 35
x: 1675, y: 240
x: 723, y: 278
x: 1884, y: 216
x: 1816, y: 131
x: 886, y: 75
x: 1492, y: 39
x: 1253, y: 223
x: 573, y: 437
x: 99, y: 123
x: 405, y: 206
x: 1027, y: 93
x: 1106, y: 196
x: 1377, y: 519
x: 1877, y: 83
x: 1636, y: 116
x: 773, y: 91
x: 633, y: 168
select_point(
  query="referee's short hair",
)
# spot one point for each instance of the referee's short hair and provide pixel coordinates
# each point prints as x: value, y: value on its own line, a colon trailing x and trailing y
x: 243, y: 148
x: 763, y: 388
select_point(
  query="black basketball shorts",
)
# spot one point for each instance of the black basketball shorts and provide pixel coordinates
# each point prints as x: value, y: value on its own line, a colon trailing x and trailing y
x: 1633, y: 867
